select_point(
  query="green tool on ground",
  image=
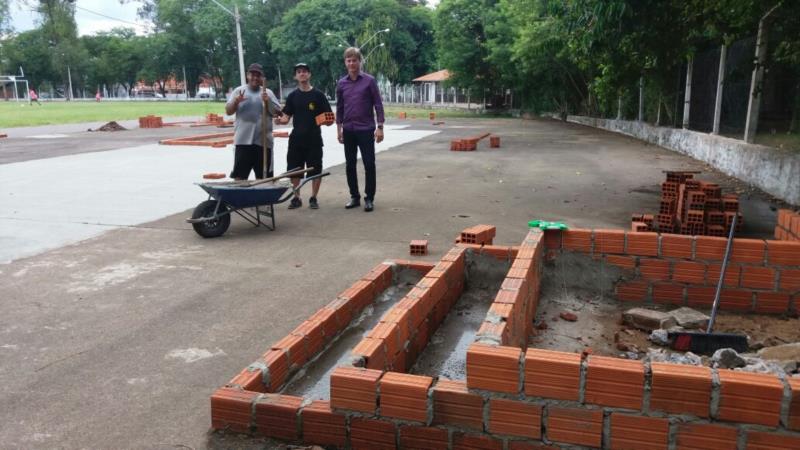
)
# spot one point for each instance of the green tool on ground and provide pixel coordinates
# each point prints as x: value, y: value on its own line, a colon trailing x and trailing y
x: 545, y: 225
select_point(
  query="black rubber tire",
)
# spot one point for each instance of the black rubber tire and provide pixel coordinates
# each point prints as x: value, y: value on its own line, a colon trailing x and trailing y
x: 211, y: 228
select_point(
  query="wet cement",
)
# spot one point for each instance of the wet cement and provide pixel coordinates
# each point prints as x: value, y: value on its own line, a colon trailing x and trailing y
x: 446, y: 353
x: 312, y: 382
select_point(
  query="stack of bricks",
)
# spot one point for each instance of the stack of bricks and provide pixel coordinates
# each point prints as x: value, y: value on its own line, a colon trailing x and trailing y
x: 668, y: 269
x: 401, y: 115
x: 326, y: 118
x: 788, y: 226
x: 432, y: 116
x: 418, y: 247
x: 150, y: 122
x: 479, y: 234
x: 468, y: 144
x: 494, y: 141
x: 214, y: 118
x: 691, y: 207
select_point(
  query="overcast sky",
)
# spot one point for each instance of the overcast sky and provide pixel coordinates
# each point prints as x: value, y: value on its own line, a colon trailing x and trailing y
x: 89, y: 14
x: 93, y: 15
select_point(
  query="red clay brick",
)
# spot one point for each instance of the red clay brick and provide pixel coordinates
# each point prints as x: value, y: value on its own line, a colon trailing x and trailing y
x: 624, y: 262
x: 321, y: 426
x: 355, y: 389
x: 405, y: 396
x: 493, y: 368
x: 615, y: 382
x: 575, y: 426
x: 696, y: 436
x: 783, y: 253
x: 758, y: 440
x: 295, y: 348
x: 772, y: 302
x: 708, y: 248
x: 676, y: 246
x: 231, y: 409
x: 732, y: 275
x: 371, y: 434
x: 789, y: 280
x: 380, y: 277
x: 552, y: 239
x: 632, y: 291
x: 249, y: 379
x: 654, y: 269
x: 423, y: 438
x: 736, y: 300
x: 552, y: 374
x: 312, y: 335
x: 642, y: 244
x: 476, y: 442
x: 758, y: 277
x: 681, y: 389
x: 750, y: 397
x: 453, y: 404
x: 689, y: 272
x: 700, y: 297
x: 276, y: 416
x: 748, y: 250
x: 513, y: 418
x: 636, y: 432
x: 609, y: 241
x: 794, y: 405
x: 372, y: 351
x: 360, y: 294
x: 668, y: 293
x: 389, y: 333
x: 524, y: 445
x: 327, y: 319
x: 578, y: 240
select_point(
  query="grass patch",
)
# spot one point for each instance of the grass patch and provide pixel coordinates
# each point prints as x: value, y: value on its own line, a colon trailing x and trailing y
x: 13, y: 114
x: 786, y: 141
x: 417, y: 112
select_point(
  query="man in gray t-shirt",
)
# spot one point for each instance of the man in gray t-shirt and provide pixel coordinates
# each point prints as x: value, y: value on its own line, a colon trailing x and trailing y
x: 247, y: 102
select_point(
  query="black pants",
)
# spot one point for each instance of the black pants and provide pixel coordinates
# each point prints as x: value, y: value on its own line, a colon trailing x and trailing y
x: 365, y: 141
x: 249, y: 158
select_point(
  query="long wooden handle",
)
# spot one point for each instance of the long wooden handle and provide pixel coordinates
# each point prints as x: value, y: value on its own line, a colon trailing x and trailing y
x: 246, y: 183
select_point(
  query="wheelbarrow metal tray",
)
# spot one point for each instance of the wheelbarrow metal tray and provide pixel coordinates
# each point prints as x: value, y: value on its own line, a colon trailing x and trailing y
x: 246, y: 197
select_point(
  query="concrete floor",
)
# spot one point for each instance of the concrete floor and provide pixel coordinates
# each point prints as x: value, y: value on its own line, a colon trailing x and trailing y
x: 119, y: 340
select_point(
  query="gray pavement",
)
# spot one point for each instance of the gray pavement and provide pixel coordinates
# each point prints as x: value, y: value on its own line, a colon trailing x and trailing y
x: 118, y: 341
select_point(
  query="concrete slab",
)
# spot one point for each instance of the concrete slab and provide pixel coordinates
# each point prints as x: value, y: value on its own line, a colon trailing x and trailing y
x: 120, y: 339
x: 57, y: 201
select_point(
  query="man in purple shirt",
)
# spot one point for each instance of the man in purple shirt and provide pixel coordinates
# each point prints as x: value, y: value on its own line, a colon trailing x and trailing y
x: 356, y: 97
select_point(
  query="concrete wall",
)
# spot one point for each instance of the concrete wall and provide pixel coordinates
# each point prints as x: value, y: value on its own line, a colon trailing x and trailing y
x: 773, y: 170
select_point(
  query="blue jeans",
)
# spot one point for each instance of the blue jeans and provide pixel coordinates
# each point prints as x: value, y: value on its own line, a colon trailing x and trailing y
x: 365, y: 141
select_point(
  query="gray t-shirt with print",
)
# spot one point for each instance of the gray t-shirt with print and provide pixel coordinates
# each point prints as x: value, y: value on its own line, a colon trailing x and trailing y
x: 247, y: 126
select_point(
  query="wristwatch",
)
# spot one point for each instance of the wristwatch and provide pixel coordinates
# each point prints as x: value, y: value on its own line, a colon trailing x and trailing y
x: 380, y: 127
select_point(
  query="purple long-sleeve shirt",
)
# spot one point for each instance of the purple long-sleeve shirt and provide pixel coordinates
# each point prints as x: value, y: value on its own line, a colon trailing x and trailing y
x: 355, y: 101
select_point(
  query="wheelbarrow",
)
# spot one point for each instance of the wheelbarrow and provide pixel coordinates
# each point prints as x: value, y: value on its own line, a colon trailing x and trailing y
x: 253, y: 201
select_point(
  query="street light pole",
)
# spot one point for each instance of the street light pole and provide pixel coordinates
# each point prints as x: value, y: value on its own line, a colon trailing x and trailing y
x: 237, y: 19
x: 385, y: 30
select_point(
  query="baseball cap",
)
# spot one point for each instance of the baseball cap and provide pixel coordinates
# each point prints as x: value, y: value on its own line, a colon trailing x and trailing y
x: 255, y: 67
x: 301, y: 66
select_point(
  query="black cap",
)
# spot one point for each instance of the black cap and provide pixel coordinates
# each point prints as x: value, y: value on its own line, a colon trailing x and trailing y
x: 255, y: 67
x: 301, y: 66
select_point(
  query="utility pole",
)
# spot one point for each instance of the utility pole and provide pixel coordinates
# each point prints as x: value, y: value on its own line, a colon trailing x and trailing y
x: 69, y: 78
x: 237, y: 18
x: 185, y: 86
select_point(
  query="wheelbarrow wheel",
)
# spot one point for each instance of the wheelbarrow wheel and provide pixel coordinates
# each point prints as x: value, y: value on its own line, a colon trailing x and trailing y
x: 211, y: 228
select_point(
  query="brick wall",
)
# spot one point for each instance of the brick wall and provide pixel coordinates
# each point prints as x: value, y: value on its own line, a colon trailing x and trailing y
x: 518, y: 398
x: 788, y: 226
x: 763, y: 276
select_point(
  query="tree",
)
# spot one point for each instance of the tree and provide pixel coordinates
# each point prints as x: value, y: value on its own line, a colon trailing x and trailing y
x: 463, y: 44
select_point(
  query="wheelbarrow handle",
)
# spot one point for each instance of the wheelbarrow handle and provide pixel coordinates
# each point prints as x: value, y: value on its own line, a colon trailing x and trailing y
x: 295, y: 190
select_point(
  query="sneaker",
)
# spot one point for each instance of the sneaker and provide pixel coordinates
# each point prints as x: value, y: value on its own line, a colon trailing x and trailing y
x: 295, y: 203
x: 312, y: 203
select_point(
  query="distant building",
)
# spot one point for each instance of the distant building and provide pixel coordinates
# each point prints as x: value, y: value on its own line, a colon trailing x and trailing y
x: 432, y: 86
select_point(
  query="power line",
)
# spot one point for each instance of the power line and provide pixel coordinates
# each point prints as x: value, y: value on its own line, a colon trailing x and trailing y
x: 111, y: 18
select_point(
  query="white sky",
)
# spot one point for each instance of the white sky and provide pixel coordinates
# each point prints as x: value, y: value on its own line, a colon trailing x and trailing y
x: 89, y: 15
x: 23, y: 19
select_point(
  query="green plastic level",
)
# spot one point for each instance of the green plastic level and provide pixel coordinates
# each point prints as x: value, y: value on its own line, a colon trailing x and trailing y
x: 545, y: 225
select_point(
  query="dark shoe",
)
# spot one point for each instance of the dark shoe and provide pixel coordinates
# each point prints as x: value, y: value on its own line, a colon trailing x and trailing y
x: 295, y: 203
x: 312, y: 203
x: 353, y: 203
x: 368, y: 206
